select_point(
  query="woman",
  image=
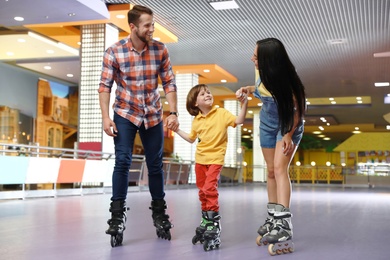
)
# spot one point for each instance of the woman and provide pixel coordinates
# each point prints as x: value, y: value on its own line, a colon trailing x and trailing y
x: 281, y: 128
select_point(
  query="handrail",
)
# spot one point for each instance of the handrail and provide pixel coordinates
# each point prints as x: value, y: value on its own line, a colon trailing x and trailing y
x: 37, y: 151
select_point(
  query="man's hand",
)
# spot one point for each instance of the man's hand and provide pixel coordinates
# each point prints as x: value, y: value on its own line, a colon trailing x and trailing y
x: 107, y: 125
x: 172, y: 123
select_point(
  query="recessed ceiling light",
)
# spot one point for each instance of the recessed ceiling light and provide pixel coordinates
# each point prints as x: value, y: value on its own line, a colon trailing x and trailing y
x: 18, y: 18
x: 360, y: 102
x: 120, y: 16
x: 206, y: 71
x: 359, y: 98
x: 223, y: 80
x: 382, y: 84
x: 321, y: 128
x: 331, y: 98
x: 333, y: 102
x: 259, y: 104
x: 356, y: 128
x: 250, y: 112
x: 356, y: 132
x: 326, y: 138
x: 388, y: 127
x: 337, y: 41
x: 317, y: 132
x: 21, y: 40
x: 69, y: 75
x: 47, y: 67
x: 382, y: 54
x: 222, y: 5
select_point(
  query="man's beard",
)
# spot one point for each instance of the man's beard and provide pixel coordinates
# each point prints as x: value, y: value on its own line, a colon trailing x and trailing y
x: 142, y: 38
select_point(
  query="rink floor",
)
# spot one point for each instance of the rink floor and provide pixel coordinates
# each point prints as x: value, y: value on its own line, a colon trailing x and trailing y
x: 330, y: 222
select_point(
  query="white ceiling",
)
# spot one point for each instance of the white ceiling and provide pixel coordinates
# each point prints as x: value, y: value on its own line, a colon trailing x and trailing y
x: 228, y: 37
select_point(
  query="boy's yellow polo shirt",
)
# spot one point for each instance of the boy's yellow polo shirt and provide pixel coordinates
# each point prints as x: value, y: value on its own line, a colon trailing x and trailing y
x: 211, y: 132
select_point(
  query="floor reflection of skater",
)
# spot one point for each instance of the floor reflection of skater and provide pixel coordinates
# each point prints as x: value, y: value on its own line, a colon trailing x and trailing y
x: 135, y: 63
x: 281, y: 128
x: 209, y: 127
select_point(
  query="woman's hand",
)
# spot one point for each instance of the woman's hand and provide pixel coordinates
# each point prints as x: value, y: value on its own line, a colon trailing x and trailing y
x: 287, y: 144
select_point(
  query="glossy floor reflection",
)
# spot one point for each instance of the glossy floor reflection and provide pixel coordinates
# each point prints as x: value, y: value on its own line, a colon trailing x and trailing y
x: 330, y: 222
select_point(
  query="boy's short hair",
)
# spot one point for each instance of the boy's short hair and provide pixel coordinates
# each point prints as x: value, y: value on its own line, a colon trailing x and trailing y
x: 191, y: 99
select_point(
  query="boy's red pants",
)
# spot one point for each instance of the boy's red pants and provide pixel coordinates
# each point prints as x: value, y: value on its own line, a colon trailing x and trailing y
x: 207, y: 177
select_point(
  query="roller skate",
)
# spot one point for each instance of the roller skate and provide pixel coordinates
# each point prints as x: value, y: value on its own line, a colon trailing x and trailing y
x: 280, y: 237
x: 212, y: 233
x: 117, y: 222
x: 199, y: 231
x: 160, y: 219
x: 264, y: 230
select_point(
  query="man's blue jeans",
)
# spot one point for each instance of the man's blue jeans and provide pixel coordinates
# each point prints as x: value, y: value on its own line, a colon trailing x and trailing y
x: 153, y: 143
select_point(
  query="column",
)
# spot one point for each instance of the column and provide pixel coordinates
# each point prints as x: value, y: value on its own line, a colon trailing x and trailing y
x: 233, y: 151
x: 182, y: 148
x: 259, y: 166
x: 94, y: 41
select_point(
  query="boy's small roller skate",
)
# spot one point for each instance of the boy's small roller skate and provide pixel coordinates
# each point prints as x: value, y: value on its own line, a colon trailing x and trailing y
x: 280, y: 237
x: 199, y: 231
x: 117, y: 222
x: 160, y: 219
x: 212, y: 233
x: 264, y: 230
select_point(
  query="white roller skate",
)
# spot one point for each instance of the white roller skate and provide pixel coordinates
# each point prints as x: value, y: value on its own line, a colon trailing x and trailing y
x: 280, y: 237
x: 264, y: 230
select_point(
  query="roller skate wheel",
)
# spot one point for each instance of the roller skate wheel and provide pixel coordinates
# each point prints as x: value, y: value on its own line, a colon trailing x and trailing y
x: 206, y: 246
x: 271, y: 249
x: 164, y: 234
x: 196, y: 239
x: 116, y: 240
x: 258, y: 240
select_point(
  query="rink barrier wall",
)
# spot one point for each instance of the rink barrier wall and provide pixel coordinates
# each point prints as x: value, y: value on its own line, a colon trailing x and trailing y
x: 47, y: 175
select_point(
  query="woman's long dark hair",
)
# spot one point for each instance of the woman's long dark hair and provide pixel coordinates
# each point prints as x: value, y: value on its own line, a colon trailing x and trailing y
x: 280, y: 78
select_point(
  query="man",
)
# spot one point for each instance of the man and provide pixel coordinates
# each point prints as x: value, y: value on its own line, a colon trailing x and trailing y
x: 135, y: 63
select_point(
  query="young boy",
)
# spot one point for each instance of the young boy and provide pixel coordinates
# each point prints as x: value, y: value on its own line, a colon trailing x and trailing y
x: 210, y: 128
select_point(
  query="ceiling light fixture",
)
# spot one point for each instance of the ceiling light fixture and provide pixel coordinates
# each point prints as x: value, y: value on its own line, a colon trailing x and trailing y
x: 18, y: 18
x: 223, y: 80
x: 206, y: 70
x: 382, y: 54
x: 223, y: 5
x: 121, y: 16
x: 382, y: 84
x: 336, y: 41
